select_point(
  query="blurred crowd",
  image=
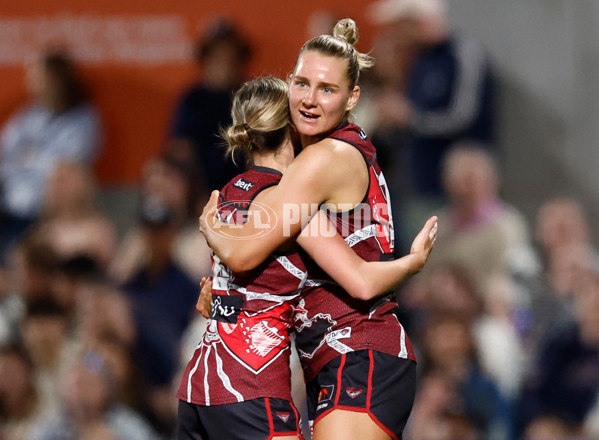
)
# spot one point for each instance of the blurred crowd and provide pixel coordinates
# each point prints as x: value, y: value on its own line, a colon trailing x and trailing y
x: 95, y: 326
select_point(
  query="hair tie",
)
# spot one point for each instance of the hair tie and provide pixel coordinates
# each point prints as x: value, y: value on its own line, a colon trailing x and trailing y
x: 249, y: 132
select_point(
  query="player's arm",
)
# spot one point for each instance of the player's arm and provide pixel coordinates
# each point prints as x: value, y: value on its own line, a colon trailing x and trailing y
x: 312, y: 179
x: 361, y: 279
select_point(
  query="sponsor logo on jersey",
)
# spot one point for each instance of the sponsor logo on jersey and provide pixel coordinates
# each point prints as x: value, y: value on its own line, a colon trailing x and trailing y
x: 363, y: 135
x: 343, y: 333
x: 226, y: 308
x: 353, y: 392
x: 332, y: 340
x: 283, y: 415
x: 243, y: 184
x: 326, y: 393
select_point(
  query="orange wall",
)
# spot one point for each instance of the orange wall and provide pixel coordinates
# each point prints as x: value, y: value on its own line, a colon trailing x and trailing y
x: 137, y: 97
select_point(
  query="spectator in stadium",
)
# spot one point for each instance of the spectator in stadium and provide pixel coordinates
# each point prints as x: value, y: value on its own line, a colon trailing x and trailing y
x: 449, y: 97
x: 20, y: 405
x: 59, y: 124
x: 482, y: 233
x: 90, y: 408
x: 170, y: 181
x: 222, y: 53
x: 70, y: 221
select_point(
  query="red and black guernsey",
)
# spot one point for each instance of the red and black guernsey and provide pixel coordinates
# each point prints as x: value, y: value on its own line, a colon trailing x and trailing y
x: 328, y: 322
x: 244, y: 353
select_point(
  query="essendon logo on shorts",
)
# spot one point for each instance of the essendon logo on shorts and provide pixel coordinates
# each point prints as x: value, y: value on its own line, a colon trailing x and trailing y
x: 353, y: 392
x: 326, y: 392
x: 284, y: 416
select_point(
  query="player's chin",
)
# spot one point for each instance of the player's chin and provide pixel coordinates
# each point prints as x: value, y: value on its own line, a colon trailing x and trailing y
x: 309, y: 128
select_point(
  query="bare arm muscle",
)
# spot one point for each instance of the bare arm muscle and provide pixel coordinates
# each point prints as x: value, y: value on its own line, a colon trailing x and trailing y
x: 361, y: 279
x: 316, y: 176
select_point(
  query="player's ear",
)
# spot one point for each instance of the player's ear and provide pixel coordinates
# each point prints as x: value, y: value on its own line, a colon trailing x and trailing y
x: 353, y: 98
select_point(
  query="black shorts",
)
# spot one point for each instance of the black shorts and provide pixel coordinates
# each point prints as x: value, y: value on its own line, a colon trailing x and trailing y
x: 256, y: 419
x: 376, y: 383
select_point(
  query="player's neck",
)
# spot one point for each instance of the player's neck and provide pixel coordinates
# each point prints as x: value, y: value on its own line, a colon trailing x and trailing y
x: 278, y: 160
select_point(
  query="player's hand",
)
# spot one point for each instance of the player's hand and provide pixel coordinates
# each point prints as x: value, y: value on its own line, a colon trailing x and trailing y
x: 204, y: 305
x: 208, y: 217
x: 425, y: 240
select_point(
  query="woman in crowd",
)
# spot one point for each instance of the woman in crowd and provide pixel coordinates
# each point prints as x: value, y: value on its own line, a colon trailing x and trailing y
x: 59, y: 124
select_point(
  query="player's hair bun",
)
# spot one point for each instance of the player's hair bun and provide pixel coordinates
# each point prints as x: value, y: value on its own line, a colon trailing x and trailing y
x: 347, y: 30
x: 238, y: 136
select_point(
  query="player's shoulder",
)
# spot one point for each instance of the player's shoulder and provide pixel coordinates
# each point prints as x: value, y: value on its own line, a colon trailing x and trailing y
x: 329, y: 149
